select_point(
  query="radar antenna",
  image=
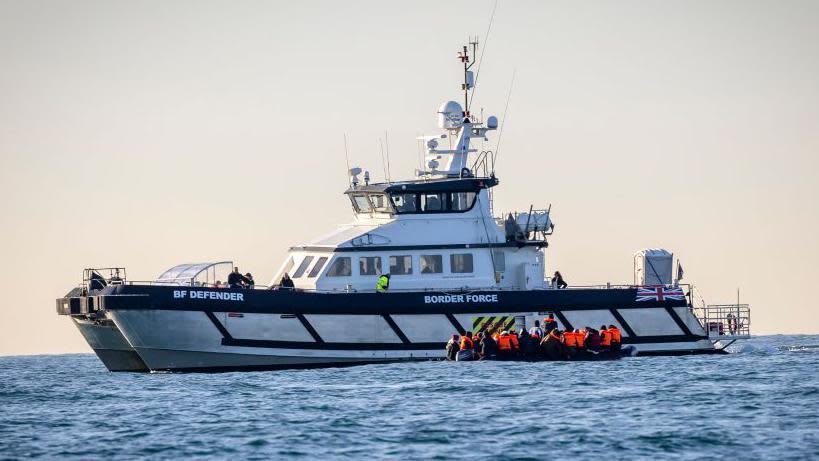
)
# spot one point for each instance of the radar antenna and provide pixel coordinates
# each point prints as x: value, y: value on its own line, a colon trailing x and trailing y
x: 469, y: 76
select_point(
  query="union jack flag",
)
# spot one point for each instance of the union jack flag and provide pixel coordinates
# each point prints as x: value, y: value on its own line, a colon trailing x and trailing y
x: 659, y: 294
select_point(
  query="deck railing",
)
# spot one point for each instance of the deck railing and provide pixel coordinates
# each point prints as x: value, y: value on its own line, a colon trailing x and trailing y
x: 725, y: 321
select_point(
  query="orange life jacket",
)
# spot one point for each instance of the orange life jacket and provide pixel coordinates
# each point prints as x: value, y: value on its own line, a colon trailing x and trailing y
x: 581, y: 339
x: 504, y: 343
x: 555, y: 336
x: 570, y: 338
x: 605, y: 338
x: 616, y: 337
x: 466, y: 343
x: 514, y: 340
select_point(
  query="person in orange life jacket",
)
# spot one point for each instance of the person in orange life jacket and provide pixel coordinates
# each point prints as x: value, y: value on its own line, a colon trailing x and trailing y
x: 592, y: 339
x: 452, y: 348
x: 572, y: 342
x: 616, y: 338
x: 581, y: 339
x: 513, y: 338
x: 549, y: 323
x: 505, y: 348
x: 467, y: 342
x: 494, y: 332
x: 552, y: 345
x: 605, y: 338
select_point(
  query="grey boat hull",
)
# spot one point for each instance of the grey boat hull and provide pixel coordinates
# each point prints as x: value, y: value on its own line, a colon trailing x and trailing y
x: 110, y: 345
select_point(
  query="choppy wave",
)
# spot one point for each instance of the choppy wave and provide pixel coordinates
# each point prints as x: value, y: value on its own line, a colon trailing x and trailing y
x: 758, y: 402
x: 800, y: 348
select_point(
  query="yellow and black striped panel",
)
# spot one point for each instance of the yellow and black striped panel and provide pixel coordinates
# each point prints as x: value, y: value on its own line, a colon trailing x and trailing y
x: 495, y: 324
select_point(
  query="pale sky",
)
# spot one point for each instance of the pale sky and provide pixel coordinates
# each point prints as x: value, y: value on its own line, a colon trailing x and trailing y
x: 147, y: 134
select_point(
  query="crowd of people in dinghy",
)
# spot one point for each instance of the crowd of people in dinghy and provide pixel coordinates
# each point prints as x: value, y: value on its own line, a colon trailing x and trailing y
x: 546, y: 343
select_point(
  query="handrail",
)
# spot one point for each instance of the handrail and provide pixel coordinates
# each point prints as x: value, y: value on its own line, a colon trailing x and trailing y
x: 402, y: 290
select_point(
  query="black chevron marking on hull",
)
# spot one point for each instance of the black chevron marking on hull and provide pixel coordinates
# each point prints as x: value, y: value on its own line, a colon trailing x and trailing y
x: 566, y: 324
x: 622, y: 322
x: 456, y: 324
x: 678, y: 320
x: 395, y: 329
x: 218, y: 325
x: 309, y: 328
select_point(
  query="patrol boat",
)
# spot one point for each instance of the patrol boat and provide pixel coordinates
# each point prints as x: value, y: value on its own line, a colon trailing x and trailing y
x: 454, y: 266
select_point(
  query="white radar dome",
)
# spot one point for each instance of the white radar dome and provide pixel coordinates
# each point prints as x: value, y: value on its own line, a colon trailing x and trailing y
x: 450, y: 115
x: 492, y: 122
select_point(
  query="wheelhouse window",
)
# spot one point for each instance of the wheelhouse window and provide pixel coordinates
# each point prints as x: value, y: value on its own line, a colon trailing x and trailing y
x: 305, y: 263
x: 461, y: 263
x: 341, y: 267
x: 361, y: 204
x: 400, y: 265
x: 405, y: 203
x: 431, y: 264
x: 433, y: 202
x: 317, y: 267
x: 381, y: 203
x: 462, y: 201
x: 369, y: 265
x: 454, y: 202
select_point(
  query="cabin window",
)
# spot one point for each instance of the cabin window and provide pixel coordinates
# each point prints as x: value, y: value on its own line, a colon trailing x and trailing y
x: 380, y: 203
x: 431, y: 264
x: 317, y: 267
x: 405, y: 203
x: 433, y: 202
x: 303, y: 266
x: 461, y: 263
x: 341, y: 267
x: 400, y: 265
x: 462, y: 201
x: 369, y: 265
x: 362, y: 205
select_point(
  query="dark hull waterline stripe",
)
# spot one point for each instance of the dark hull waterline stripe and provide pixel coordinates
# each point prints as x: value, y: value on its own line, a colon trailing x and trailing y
x: 662, y: 339
x: 678, y: 320
x: 456, y: 324
x: 566, y: 324
x: 309, y: 328
x: 270, y: 344
x: 395, y: 329
x: 299, y: 366
x: 680, y: 352
x: 622, y: 322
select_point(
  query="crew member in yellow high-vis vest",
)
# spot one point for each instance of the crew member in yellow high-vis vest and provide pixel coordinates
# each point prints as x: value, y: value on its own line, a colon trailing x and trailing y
x: 383, y: 283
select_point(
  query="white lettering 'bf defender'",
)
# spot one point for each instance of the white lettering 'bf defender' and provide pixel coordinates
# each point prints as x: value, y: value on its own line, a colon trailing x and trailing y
x: 455, y: 265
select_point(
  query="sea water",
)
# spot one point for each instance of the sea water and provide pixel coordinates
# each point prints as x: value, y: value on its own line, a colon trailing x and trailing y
x: 760, y: 402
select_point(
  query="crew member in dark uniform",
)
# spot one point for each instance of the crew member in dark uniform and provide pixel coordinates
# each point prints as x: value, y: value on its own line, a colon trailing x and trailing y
x: 237, y: 280
x: 286, y: 282
x: 558, y: 281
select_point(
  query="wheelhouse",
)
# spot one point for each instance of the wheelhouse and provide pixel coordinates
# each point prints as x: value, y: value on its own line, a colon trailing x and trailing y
x: 456, y: 195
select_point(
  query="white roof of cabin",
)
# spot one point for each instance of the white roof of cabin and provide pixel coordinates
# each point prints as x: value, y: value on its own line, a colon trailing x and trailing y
x: 341, y: 235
